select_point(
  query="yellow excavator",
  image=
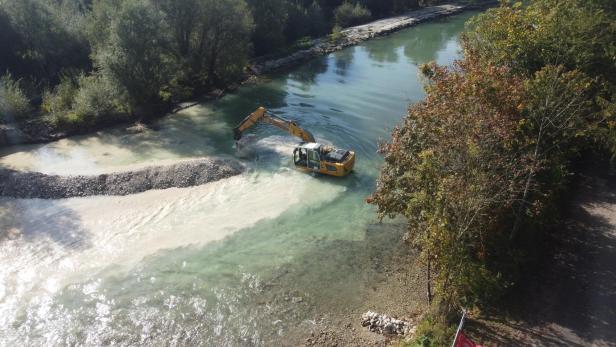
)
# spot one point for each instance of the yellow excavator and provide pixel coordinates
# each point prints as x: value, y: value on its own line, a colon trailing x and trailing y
x: 308, y: 156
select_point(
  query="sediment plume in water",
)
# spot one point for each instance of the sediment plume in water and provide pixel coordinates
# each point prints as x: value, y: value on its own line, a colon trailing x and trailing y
x: 32, y: 185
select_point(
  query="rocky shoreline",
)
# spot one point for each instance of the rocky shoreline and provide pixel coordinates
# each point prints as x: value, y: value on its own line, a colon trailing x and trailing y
x: 30, y: 185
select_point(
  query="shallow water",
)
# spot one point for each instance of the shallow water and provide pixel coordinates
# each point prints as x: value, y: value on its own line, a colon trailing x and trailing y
x: 238, y: 262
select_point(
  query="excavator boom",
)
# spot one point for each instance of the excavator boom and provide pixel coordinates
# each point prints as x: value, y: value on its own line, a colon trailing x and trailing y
x: 261, y: 115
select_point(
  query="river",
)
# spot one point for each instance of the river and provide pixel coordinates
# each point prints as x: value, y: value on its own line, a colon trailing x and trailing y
x: 243, y: 261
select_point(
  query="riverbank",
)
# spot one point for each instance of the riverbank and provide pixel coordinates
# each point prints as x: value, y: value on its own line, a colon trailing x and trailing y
x: 39, y: 131
x: 33, y: 185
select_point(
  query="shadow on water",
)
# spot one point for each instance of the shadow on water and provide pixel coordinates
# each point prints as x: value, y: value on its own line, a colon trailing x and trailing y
x: 383, y: 51
x: 35, y: 220
x: 428, y: 40
x: 307, y: 74
x: 419, y: 44
x: 235, y: 107
x: 344, y: 60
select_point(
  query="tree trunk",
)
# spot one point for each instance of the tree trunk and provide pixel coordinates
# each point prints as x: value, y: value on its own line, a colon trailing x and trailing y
x: 531, y: 174
x: 522, y: 210
x: 429, y: 279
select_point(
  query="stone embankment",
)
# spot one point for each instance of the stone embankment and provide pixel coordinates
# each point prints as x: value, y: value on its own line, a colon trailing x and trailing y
x: 28, y: 185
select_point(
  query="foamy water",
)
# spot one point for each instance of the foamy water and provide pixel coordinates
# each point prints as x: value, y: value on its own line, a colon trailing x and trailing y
x: 181, y: 136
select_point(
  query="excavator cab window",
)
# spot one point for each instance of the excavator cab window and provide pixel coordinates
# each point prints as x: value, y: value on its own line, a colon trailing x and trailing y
x: 314, y: 160
x: 300, y: 157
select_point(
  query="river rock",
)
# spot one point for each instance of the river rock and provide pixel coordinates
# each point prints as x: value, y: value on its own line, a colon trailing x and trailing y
x: 137, y: 128
x: 384, y: 324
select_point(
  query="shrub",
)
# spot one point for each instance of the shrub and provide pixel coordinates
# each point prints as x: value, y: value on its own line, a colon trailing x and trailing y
x: 82, y: 102
x: 14, y: 104
x: 336, y: 35
x: 59, y: 100
x: 348, y: 14
x: 97, y: 97
x: 432, y: 331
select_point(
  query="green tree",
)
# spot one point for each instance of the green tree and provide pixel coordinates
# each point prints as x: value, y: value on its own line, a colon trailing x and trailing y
x: 478, y: 165
x: 448, y: 172
x: 45, y: 44
x: 183, y: 18
x: 224, y: 39
x: 270, y: 18
x: 136, y: 55
x: 348, y: 14
x: 14, y: 104
x: 97, y: 97
x: 305, y: 20
x: 10, y: 43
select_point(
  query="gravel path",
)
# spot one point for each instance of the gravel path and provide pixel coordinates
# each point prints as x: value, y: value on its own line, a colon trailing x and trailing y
x: 28, y: 185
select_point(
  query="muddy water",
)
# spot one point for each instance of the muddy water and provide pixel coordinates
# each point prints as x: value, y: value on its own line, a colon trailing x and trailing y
x: 242, y: 261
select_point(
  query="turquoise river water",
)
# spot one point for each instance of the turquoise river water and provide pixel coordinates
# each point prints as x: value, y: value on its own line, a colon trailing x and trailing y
x: 240, y: 262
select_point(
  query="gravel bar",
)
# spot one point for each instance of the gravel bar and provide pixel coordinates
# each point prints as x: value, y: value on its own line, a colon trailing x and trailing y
x: 32, y: 185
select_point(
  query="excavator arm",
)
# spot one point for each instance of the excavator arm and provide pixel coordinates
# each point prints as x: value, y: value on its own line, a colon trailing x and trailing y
x: 261, y: 115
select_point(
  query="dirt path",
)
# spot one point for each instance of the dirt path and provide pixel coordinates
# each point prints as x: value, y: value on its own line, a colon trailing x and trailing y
x: 571, y: 301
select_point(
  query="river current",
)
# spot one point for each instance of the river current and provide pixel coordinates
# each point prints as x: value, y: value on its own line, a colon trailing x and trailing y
x: 239, y: 262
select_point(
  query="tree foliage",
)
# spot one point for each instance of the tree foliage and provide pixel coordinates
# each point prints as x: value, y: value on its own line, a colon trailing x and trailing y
x: 136, y: 55
x: 43, y: 38
x: 478, y: 166
x: 14, y: 104
x: 148, y: 54
x: 348, y: 14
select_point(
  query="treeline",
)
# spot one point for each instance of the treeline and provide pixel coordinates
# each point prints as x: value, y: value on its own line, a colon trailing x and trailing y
x: 479, y: 166
x: 76, y: 63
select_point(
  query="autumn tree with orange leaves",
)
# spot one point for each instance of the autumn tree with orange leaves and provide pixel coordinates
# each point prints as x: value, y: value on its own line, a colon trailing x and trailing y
x: 477, y: 166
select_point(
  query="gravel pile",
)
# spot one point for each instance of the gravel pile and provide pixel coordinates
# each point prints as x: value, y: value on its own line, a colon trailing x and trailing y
x: 29, y: 185
x: 384, y: 324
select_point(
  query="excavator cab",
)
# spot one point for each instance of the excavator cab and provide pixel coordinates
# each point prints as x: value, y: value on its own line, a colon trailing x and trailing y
x: 323, y: 159
x: 300, y: 157
x: 309, y: 155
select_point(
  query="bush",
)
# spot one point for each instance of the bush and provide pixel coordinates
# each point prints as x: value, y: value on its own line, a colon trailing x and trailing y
x: 82, y: 102
x: 305, y: 21
x: 336, y: 35
x: 432, y: 331
x: 348, y: 15
x: 60, y: 99
x: 97, y: 97
x: 14, y: 104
